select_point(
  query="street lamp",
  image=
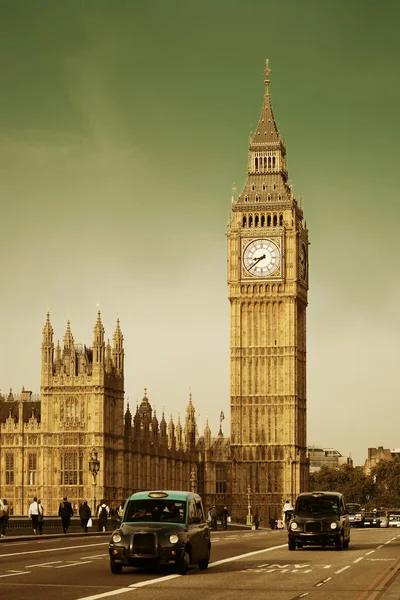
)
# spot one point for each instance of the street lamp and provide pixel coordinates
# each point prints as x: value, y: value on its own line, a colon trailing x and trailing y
x: 94, y: 468
x: 193, y: 480
x: 249, y: 519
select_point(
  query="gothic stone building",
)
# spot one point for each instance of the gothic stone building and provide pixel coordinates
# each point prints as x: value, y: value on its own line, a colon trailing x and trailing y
x: 46, y: 442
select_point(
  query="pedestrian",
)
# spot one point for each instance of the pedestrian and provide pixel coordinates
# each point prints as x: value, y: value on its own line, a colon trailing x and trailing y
x: 287, y: 513
x: 4, y: 512
x: 214, y: 516
x: 224, y: 517
x: 103, y: 513
x: 40, y: 517
x: 120, y: 510
x: 256, y: 519
x: 273, y: 523
x: 65, y: 512
x: 33, y: 513
x: 85, y: 514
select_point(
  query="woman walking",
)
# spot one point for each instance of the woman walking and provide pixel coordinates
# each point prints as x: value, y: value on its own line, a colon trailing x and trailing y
x: 85, y: 514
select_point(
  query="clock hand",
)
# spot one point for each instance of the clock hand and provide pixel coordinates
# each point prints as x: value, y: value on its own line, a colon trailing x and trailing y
x: 257, y: 260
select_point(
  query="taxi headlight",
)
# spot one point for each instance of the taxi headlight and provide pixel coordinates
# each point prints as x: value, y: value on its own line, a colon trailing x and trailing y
x: 116, y: 538
x: 333, y: 525
x: 293, y: 525
x: 173, y: 539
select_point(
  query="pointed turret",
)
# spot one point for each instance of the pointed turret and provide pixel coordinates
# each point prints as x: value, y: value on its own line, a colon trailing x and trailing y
x: 47, y: 349
x: 267, y: 133
x: 171, y: 434
x: 163, y: 430
x: 266, y: 170
x: 98, y: 343
x: 190, y: 426
x: 178, y: 434
x: 207, y: 435
x: 108, y: 360
x: 68, y: 338
x: 118, y: 350
x: 128, y: 419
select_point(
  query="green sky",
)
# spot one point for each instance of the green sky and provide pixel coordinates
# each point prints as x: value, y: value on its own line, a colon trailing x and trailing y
x: 123, y: 125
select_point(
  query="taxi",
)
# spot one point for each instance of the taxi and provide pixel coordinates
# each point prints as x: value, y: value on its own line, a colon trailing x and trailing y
x: 161, y: 528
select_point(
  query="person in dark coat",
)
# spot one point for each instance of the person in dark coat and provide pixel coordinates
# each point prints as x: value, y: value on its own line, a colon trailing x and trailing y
x: 4, y: 517
x: 103, y: 513
x: 85, y: 514
x: 224, y: 517
x: 65, y: 511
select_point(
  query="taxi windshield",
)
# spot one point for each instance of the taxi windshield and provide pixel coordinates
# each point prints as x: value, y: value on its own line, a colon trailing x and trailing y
x: 165, y: 510
x: 308, y: 506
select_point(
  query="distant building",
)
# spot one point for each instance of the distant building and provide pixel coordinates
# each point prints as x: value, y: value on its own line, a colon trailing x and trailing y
x: 326, y: 456
x: 376, y: 455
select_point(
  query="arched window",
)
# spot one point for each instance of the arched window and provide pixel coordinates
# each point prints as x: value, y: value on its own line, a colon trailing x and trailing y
x: 269, y: 162
x: 262, y: 220
x: 269, y: 221
x: 281, y: 219
x: 244, y: 222
x: 265, y: 162
x: 256, y: 220
x: 256, y: 163
x: 275, y: 220
x: 273, y: 162
x: 250, y: 221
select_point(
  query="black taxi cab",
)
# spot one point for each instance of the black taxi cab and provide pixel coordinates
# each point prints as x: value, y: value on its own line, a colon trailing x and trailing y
x: 161, y: 528
x: 319, y: 519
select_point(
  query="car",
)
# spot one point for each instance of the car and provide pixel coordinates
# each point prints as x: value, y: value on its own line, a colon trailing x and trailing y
x: 356, y: 514
x: 319, y: 519
x: 161, y: 528
x: 371, y: 519
x: 394, y: 520
x: 383, y: 517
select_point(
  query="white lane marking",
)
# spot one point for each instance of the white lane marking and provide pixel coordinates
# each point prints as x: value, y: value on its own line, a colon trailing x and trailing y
x: 53, y: 562
x: 17, y: 573
x: 52, y: 550
x: 151, y: 581
x: 327, y: 566
x: 358, y: 559
x: 343, y: 569
x: 370, y: 552
x: 161, y: 579
x: 96, y: 556
x: 379, y: 547
x: 231, y: 559
x: 304, y: 595
x: 74, y: 564
x: 380, y: 559
x: 324, y: 581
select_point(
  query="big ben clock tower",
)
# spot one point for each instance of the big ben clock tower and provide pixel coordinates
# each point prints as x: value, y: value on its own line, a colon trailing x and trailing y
x: 267, y: 288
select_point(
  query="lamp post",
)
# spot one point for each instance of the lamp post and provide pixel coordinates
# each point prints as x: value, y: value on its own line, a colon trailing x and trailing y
x: 248, y: 520
x: 193, y: 480
x: 94, y: 468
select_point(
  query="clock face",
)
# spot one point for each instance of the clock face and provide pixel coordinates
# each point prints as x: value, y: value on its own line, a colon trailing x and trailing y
x: 261, y: 258
x: 303, y: 262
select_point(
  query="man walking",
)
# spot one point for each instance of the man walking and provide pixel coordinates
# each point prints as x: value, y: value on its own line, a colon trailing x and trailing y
x: 65, y: 511
x: 33, y: 513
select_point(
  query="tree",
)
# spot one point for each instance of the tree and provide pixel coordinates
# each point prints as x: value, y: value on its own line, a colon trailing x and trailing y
x: 350, y: 481
x: 386, y: 475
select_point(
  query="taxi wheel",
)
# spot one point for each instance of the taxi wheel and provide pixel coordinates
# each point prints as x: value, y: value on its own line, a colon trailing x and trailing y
x: 116, y: 568
x: 339, y: 542
x: 291, y: 545
x: 203, y: 564
x: 185, y: 562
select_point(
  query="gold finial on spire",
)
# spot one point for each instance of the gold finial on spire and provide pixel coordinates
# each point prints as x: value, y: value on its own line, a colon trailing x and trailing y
x: 267, y: 71
x: 145, y: 391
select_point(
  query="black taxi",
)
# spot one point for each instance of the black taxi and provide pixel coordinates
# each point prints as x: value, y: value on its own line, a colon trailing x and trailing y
x: 161, y: 528
x: 319, y: 519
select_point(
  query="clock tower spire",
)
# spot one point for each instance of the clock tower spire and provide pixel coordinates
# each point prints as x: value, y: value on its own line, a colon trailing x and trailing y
x: 267, y: 290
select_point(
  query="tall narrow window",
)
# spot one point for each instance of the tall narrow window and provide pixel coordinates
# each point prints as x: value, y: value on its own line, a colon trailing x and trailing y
x: 32, y: 466
x: 244, y: 222
x: 256, y: 163
x: 220, y: 481
x: 71, y: 468
x: 9, y: 468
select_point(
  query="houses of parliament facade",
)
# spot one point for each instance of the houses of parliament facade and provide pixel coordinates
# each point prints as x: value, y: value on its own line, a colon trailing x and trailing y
x: 46, y: 442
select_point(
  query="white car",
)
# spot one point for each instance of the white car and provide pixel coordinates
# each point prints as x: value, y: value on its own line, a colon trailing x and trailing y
x: 394, y: 521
